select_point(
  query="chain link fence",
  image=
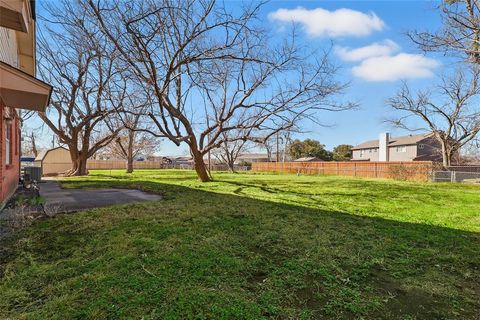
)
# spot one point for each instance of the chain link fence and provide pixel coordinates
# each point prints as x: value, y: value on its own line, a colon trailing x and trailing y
x: 456, y: 176
x: 213, y: 167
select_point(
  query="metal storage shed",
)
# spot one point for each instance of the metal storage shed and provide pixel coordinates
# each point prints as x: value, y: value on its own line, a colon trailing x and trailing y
x: 54, y: 161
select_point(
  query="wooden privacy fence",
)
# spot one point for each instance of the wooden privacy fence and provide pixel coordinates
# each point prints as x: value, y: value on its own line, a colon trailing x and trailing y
x: 61, y: 167
x: 415, y: 170
x: 122, y: 164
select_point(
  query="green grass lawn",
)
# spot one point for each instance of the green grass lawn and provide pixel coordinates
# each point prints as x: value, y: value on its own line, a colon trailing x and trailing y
x: 252, y: 246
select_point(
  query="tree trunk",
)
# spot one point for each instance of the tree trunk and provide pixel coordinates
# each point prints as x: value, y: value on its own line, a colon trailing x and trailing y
x: 453, y: 157
x: 79, y: 160
x: 74, y: 158
x: 229, y: 159
x: 131, y: 137
x: 200, y: 167
x: 34, y: 145
x: 448, y: 158
x: 79, y: 164
x: 269, y: 153
x: 129, y: 165
x: 445, y: 155
x: 231, y: 165
x: 82, y: 165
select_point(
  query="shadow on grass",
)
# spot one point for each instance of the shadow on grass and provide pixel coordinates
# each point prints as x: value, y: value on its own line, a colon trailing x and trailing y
x: 206, y: 254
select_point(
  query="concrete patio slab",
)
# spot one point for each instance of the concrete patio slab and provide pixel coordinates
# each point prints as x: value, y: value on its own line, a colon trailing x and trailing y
x: 68, y: 200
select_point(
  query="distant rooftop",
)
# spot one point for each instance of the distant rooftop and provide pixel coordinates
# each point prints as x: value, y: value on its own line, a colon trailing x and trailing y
x: 307, y: 159
x: 254, y: 155
x: 394, y: 141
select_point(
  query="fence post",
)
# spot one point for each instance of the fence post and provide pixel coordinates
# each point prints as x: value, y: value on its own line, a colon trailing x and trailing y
x: 338, y: 172
x: 354, y: 169
x: 376, y: 170
x: 452, y: 176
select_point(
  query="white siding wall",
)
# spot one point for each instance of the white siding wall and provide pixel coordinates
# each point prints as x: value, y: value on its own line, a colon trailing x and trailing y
x: 8, y: 47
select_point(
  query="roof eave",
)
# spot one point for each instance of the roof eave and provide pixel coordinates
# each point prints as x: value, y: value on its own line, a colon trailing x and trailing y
x: 20, y: 90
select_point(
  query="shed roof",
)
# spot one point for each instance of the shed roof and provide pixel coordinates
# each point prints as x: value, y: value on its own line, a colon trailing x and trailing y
x: 41, y: 155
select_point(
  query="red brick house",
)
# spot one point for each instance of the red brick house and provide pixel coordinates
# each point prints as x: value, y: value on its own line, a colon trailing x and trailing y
x: 19, y: 89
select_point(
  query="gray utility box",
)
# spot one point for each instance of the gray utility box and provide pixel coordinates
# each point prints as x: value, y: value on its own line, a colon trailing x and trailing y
x: 33, y: 173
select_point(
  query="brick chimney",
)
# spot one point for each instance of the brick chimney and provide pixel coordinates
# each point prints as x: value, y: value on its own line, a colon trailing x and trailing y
x: 383, y: 140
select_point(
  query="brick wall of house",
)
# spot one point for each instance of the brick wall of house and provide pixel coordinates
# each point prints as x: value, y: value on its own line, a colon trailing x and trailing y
x: 9, y: 173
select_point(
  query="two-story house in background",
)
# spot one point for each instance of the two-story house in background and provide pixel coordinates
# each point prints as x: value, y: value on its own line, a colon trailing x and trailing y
x: 19, y: 89
x: 420, y: 147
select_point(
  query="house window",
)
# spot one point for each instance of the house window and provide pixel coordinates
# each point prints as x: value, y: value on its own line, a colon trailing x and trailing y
x: 361, y: 153
x: 402, y: 149
x: 375, y: 150
x: 8, y: 143
x: 370, y: 150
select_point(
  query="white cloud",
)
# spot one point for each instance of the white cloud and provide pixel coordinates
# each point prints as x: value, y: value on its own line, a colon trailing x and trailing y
x: 376, y: 49
x: 339, y: 23
x: 398, y: 67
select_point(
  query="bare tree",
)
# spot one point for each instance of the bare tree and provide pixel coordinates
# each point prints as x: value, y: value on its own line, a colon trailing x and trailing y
x: 471, y: 154
x: 133, y: 142
x: 450, y: 111
x: 77, y: 61
x: 276, y: 146
x: 460, y: 32
x: 131, y: 103
x: 229, y: 152
x: 269, y: 146
x: 29, y: 143
x: 183, y: 50
x: 285, y: 139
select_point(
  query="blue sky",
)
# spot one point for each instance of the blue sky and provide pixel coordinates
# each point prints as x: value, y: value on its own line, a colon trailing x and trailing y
x: 374, y: 71
x: 353, y: 127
